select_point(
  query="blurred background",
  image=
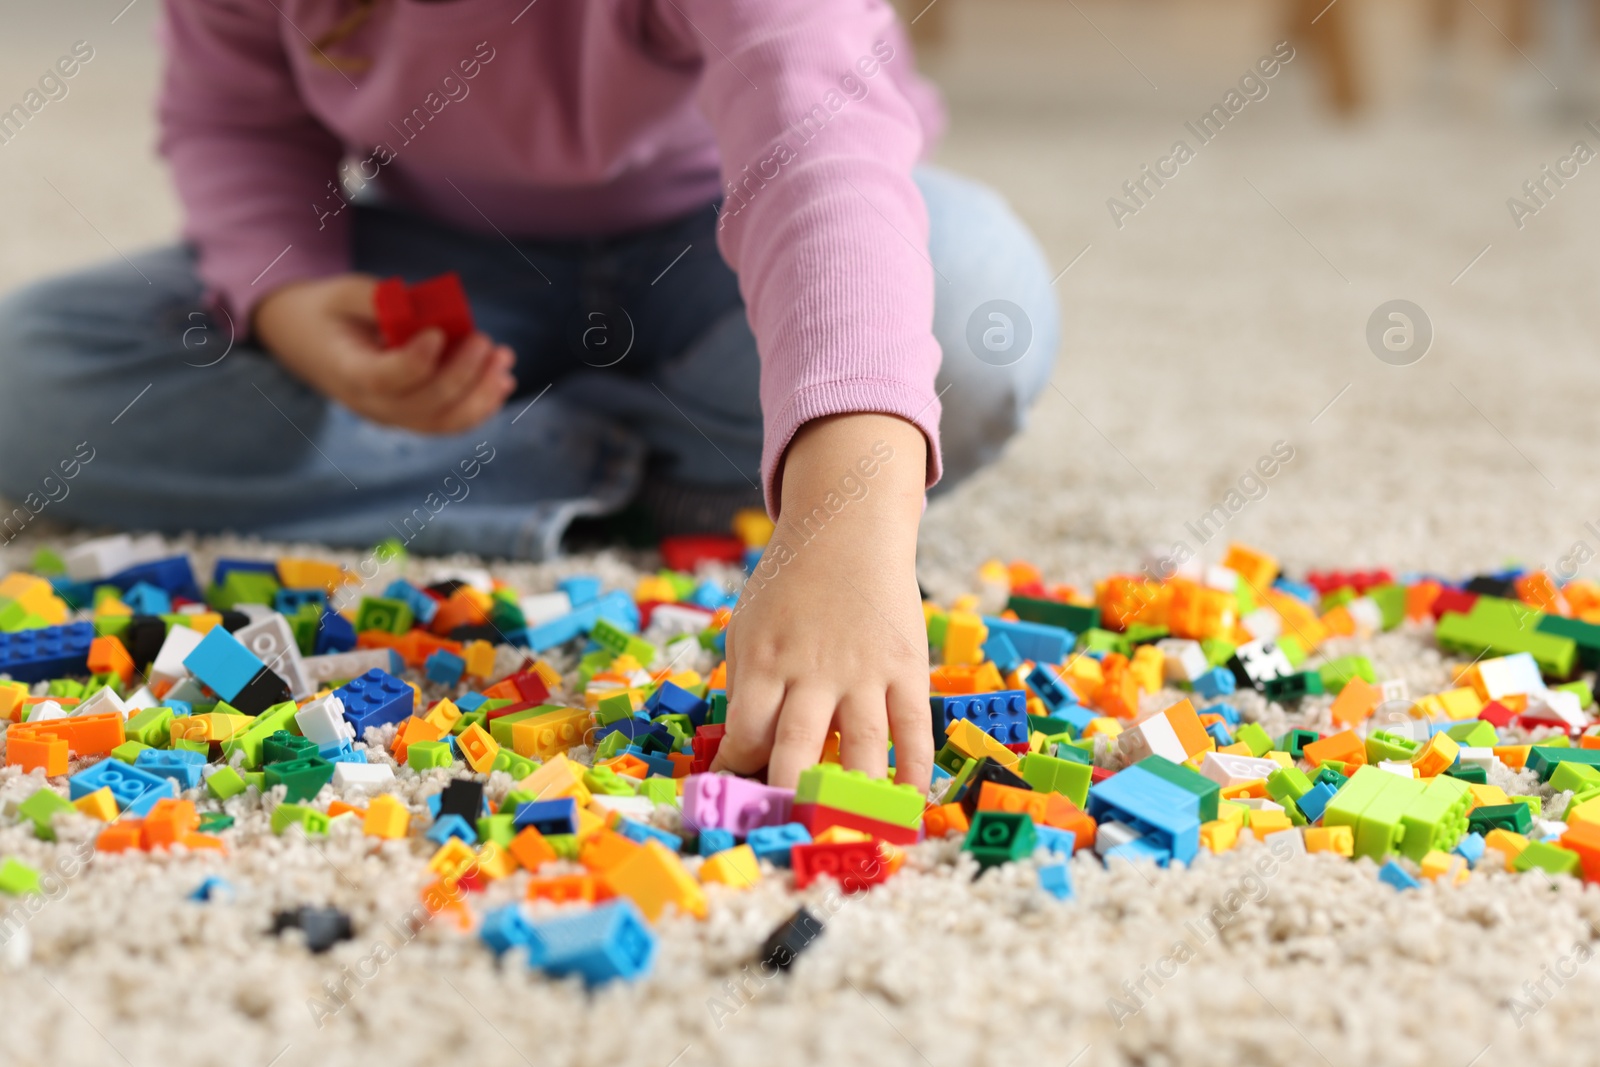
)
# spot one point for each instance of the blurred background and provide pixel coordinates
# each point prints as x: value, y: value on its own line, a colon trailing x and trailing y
x: 1228, y: 312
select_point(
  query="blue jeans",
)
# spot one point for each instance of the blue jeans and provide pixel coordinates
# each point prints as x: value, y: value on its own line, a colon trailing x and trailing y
x: 629, y: 348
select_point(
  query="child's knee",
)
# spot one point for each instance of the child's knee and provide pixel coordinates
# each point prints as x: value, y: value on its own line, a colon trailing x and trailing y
x: 995, y: 317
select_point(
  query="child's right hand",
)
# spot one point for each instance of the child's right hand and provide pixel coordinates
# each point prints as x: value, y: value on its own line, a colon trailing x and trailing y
x: 325, y: 333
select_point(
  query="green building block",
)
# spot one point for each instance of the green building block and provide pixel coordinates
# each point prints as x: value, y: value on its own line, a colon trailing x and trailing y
x: 389, y: 614
x: 255, y: 778
x: 1573, y: 776
x: 1292, y: 649
x: 1499, y: 627
x: 47, y: 564
x: 1348, y: 804
x: 1535, y: 804
x: 1437, y: 819
x: 1469, y: 772
x: 660, y: 790
x: 997, y: 837
x: 614, y: 708
x: 1382, y: 824
x: 1141, y: 633
x: 610, y: 745
x: 610, y: 636
x: 963, y: 768
x: 1252, y: 734
x: 304, y: 625
x: 128, y: 751
x: 1074, y: 617
x: 426, y: 755
x: 1327, y: 774
x: 1336, y: 674
x: 497, y: 828
x: 190, y: 744
x: 41, y: 808
x: 1391, y: 601
x: 214, y: 822
x: 1218, y: 651
x: 1068, y: 749
x: 1580, y: 689
x: 500, y: 726
x: 1295, y: 741
x: 282, y: 746
x: 1097, y: 640
x: 1051, y: 774
x: 605, y: 781
x: 1383, y: 745
x: 518, y: 767
x: 1544, y: 757
x: 1552, y: 859
x: 225, y: 783
x: 243, y: 587
x: 1517, y: 818
x: 303, y: 778
x: 467, y: 720
x: 1186, y: 778
x: 1049, y: 725
x: 1287, y: 785
x: 1474, y: 734
x: 830, y: 785
x: 1586, y: 635
x: 65, y: 687
x: 718, y: 712
x: 1295, y: 686
x: 1335, y: 598
x: 565, y: 846
x: 17, y: 878
x: 253, y: 741
x: 308, y: 819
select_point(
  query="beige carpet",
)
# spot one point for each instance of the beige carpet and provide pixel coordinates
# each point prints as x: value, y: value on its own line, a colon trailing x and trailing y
x: 1227, y: 315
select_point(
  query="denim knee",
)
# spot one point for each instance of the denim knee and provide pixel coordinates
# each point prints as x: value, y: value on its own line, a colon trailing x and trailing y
x: 995, y: 317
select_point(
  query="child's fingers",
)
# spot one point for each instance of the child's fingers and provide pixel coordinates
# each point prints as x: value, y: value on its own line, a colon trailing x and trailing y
x: 802, y: 731
x: 486, y: 398
x: 752, y: 719
x: 864, y: 733
x: 407, y: 367
x: 460, y: 372
x: 911, y: 724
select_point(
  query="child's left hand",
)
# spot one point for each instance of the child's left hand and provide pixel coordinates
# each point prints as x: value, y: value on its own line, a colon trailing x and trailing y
x: 829, y: 632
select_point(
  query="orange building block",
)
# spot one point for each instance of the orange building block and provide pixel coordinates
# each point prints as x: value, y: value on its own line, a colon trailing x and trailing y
x: 108, y: 655
x: 1356, y: 702
x: 35, y: 751
x: 465, y: 607
x: 530, y: 849
x: 943, y: 819
x: 120, y: 836
x: 605, y: 850
x: 653, y: 878
x: 566, y: 889
x: 1256, y: 567
x: 1345, y: 747
x: 1584, y: 839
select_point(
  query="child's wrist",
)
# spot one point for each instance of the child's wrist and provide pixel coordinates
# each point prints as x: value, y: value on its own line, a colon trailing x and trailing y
x: 867, y: 465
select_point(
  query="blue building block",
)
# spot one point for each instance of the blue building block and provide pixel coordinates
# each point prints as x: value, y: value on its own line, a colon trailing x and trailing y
x: 1219, y: 733
x: 1165, y: 813
x: 634, y: 830
x: 1217, y: 682
x: 671, y: 699
x: 470, y: 701
x: 1396, y: 875
x: 1139, y: 850
x: 1470, y: 848
x: 940, y: 774
x: 377, y: 698
x: 505, y: 928
x: 127, y: 783
x: 580, y: 588
x: 141, y: 805
x: 147, y: 599
x: 1056, y: 879
x: 660, y: 766
x: 174, y: 574
x: 1056, y: 694
x: 774, y: 843
x: 752, y: 556
x: 450, y: 826
x: 1299, y: 590
x: 181, y: 765
x: 711, y: 596
x: 1313, y: 803
x: 343, y: 752
x: 78, y: 595
x: 48, y: 652
x: 444, y: 667
x: 290, y: 601
x: 999, y: 650
x: 713, y: 840
x: 1003, y: 715
x: 222, y: 662
x: 335, y: 633
x: 548, y: 816
x: 1056, y: 840
x: 601, y: 944
x: 212, y: 888
x: 1032, y: 640
x: 423, y: 606
x: 1229, y: 713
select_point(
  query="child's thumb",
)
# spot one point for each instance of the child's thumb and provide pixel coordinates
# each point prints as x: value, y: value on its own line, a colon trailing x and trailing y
x: 413, y: 363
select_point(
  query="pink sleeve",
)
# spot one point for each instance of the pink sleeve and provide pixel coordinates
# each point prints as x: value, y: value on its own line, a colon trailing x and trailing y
x: 251, y: 163
x: 828, y: 233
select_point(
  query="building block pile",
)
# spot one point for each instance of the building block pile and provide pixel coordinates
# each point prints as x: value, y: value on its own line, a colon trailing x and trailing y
x: 1109, y: 721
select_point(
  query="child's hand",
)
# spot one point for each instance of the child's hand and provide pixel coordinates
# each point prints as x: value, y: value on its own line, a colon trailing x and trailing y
x: 829, y: 633
x: 325, y: 332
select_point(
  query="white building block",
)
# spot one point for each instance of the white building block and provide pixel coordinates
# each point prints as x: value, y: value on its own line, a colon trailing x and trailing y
x: 168, y: 664
x: 366, y: 775
x: 323, y: 721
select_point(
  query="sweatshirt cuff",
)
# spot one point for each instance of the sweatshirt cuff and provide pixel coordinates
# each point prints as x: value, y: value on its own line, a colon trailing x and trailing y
x: 880, y: 396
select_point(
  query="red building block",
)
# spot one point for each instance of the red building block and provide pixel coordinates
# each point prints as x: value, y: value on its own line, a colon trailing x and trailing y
x: 683, y: 553
x: 403, y: 312
x: 817, y: 818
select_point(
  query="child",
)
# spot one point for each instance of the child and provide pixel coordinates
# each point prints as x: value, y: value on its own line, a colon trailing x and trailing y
x: 705, y: 265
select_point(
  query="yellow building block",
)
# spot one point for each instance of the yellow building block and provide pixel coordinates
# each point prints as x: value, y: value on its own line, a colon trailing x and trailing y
x: 1444, y: 867
x: 442, y: 716
x: 987, y: 679
x: 494, y: 861
x: 1264, y: 821
x: 753, y: 526
x: 1103, y: 726
x: 655, y: 878
x: 1455, y: 704
x: 1436, y: 757
x: 964, y: 636
x: 1513, y: 756
x: 1340, y: 840
x: 1219, y: 835
x: 1486, y: 795
x: 386, y: 817
x: 549, y: 736
x: 1146, y: 667
x: 1506, y: 842
x: 190, y: 728
x: 478, y: 748
x: 1282, y: 759
x: 100, y: 804
x: 453, y: 859
x: 1588, y: 811
x: 1230, y: 812
x: 968, y: 739
x: 840, y: 835
x: 734, y: 867
x: 311, y: 574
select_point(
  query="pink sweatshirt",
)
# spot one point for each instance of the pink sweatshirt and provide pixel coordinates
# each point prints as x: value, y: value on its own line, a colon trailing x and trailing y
x: 557, y: 118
